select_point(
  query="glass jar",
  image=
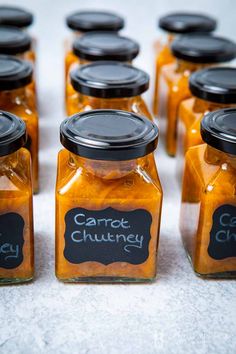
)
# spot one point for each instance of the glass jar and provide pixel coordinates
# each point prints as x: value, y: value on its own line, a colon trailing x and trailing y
x: 175, y: 24
x: 213, y: 89
x: 108, y: 85
x: 15, y: 97
x: 86, y: 21
x: 193, y: 52
x: 16, y: 216
x: 100, y: 46
x: 208, y: 211
x: 14, y: 41
x: 108, y: 198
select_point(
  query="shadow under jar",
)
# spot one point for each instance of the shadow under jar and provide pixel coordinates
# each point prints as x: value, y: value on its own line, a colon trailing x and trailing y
x: 212, y: 89
x: 82, y: 22
x: 175, y: 24
x: 108, y: 198
x: 208, y: 211
x: 16, y: 215
x: 108, y: 85
x: 193, y: 52
x: 14, y: 41
x: 15, y: 97
x: 100, y: 46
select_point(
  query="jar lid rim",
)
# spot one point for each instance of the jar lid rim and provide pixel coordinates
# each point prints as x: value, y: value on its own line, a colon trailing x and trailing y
x: 112, y: 135
x: 218, y: 129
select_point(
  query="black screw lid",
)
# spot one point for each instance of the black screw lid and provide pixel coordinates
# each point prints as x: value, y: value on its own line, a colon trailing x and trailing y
x: 15, y: 16
x: 214, y: 84
x: 109, y: 135
x: 13, y: 41
x: 12, y: 133
x: 202, y: 48
x: 85, y: 21
x: 109, y: 79
x: 95, y: 46
x: 218, y: 129
x: 14, y: 73
x: 187, y: 22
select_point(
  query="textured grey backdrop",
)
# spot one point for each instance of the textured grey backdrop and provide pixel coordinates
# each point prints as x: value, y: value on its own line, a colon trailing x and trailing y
x: 179, y: 313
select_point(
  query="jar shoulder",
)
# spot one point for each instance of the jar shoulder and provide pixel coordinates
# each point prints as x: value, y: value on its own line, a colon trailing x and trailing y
x: 76, y: 181
x: 218, y: 178
x: 15, y: 174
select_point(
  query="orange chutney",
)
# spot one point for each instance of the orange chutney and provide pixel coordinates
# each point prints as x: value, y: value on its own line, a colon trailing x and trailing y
x: 86, y: 21
x: 108, y: 198
x: 193, y: 52
x: 15, y: 76
x: 108, y: 85
x: 175, y: 24
x: 208, y: 212
x: 213, y: 89
x: 16, y: 216
x: 100, y: 46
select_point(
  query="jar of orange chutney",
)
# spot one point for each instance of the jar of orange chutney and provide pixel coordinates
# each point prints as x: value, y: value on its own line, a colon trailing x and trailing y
x: 86, y: 21
x: 175, y: 24
x: 100, y: 46
x: 16, y: 216
x: 108, y: 198
x: 212, y: 88
x: 106, y: 85
x: 208, y: 213
x: 15, y: 97
x: 193, y: 52
x: 14, y: 41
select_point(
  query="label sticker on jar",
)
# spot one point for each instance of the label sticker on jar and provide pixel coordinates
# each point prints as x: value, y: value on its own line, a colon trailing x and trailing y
x: 223, y: 233
x: 11, y: 240
x: 107, y: 236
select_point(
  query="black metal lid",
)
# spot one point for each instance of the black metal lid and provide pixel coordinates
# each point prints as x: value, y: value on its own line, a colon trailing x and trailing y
x: 13, y: 41
x: 109, y: 135
x: 95, y: 46
x: 218, y: 129
x: 109, y: 79
x: 12, y: 133
x: 15, y: 16
x: 14, y: 73
x: 214, y: 84
x: 85, y: 21
x: 187, y: 22
x: 202, y: 48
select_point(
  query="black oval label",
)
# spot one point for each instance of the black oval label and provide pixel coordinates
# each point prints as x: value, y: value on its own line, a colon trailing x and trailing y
x: 11, y: 240
x: 107, y: 236
x: 223, y: 233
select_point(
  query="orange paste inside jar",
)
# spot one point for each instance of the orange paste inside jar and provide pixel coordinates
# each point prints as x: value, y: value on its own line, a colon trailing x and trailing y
x: 101, y: 186
x: 209, y: 203
x: 16, y: 211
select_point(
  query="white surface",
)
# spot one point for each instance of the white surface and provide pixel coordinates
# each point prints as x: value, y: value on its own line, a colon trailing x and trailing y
x: 179, y: 313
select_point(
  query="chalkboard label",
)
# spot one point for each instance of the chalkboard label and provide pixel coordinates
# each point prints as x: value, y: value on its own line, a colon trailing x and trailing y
x: 223, y: 233
x: 107, y: 236
x: 11, y: 240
